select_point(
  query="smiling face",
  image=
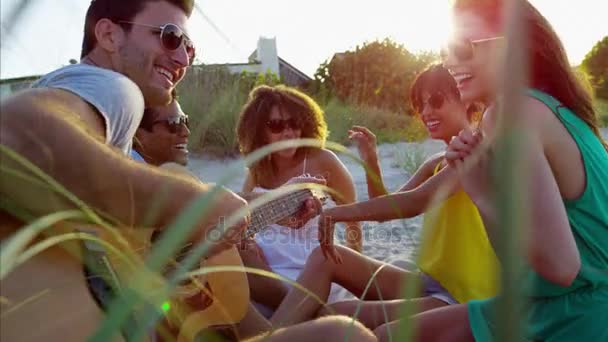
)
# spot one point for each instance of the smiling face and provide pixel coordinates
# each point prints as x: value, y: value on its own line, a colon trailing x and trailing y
x: 279, y: 126
x: 143, y: 59
x: 166, y: 140
x: 436, y: 99
x: 443, y: 118
x: 476, y: 73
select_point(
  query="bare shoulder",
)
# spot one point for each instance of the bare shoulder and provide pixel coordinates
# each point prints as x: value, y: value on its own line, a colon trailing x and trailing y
x: 551, y: 138
x: 325, y: 158
x: 326, y: 163
x: 250, y: 182
x: 535, y: 113
x: 329, y: 166
x: 323, y: 154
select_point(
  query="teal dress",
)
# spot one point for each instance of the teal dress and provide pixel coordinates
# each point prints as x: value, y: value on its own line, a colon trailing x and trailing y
x: 578, y: 312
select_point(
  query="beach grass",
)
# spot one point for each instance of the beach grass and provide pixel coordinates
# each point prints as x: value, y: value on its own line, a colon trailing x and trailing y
x: 601, y: 106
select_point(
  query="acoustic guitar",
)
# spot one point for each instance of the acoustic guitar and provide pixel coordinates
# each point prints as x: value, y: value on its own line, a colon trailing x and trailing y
x: 224, y: 295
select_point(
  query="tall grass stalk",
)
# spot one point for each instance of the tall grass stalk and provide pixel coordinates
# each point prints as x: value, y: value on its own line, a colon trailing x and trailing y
x: 510, y: 170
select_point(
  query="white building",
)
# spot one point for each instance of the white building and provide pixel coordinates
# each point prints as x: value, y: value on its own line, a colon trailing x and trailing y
x: 264, y: 59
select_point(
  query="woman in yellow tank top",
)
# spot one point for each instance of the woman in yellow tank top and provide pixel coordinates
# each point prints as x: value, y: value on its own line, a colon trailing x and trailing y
x: 456, y: 260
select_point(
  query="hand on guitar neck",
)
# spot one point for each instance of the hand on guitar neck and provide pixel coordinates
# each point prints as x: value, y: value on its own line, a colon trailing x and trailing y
x: 229, y: 291
x: 307, y: 205
x: 224, y: 205
x: 311, y: 206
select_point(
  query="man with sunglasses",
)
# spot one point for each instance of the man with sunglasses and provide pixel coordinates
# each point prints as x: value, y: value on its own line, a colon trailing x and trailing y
x: 77, y: 126
x: 162, y: 136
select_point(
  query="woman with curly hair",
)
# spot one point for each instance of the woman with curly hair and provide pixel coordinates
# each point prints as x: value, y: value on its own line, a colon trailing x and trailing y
x: 275, y: 114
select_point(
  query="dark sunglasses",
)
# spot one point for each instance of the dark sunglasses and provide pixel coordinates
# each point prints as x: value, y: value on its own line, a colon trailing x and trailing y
x: 171, y: 38
x: 279, y: 125
x: 464, y: 50
x: 436, y: 101
x: 174, y: 123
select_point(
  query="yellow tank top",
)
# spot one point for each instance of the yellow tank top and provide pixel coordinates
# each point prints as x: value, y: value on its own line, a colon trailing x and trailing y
x: 456, y: 251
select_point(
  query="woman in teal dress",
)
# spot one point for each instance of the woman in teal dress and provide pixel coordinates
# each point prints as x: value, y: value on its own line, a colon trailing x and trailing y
x: 566, y: 253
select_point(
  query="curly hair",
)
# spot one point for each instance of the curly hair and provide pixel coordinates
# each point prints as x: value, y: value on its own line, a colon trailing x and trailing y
x: 256, y: 112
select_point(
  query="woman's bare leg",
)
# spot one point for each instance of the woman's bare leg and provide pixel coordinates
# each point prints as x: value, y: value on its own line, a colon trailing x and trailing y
x: 372, y: 313
x: 264, y: 290
x: 353, y: 273
x: 448, y: 323
x: 334, y: 328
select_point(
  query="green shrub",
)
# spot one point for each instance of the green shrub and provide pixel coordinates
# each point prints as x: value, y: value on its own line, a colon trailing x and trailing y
x: 389, y: 127
x: 411, y: 158
x: 602, y: 111
x: 213, y: 98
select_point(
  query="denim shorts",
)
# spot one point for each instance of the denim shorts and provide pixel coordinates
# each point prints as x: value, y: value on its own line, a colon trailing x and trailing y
x: 432, y: 288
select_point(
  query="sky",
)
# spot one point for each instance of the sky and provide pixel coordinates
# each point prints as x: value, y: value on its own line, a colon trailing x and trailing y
x: 49, y: 33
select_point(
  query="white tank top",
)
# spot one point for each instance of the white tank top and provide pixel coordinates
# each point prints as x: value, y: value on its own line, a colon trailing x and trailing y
x: 287, y: 249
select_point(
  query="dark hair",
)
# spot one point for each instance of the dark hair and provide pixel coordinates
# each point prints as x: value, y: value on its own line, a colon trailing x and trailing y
x: 436, y: 78
x: 549, y: 69
x: 255, y: 114
x: 117, y: 10
x: 151, y: 113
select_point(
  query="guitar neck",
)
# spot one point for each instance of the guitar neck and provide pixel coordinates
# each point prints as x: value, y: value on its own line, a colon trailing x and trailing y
x: 276, y: 210
x: 262, y: 217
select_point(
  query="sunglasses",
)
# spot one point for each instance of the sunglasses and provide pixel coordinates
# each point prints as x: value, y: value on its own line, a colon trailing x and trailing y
x: 278, y: 125
x: 174, y: 123
x: 464, y: 50
x: 436, y: 101
x: 171, y: 38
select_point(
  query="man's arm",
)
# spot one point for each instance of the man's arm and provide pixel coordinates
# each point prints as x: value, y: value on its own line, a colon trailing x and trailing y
x: 55, y: 130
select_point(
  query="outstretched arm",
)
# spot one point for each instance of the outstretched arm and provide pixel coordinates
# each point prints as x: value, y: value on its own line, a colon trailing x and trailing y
x: 424, y: 172
x: 400, y: 204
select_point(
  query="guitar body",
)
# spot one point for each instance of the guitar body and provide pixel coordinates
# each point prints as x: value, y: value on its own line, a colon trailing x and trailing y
x: 47, y: 299
x: 230, y: 295
x: 227, y: 292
